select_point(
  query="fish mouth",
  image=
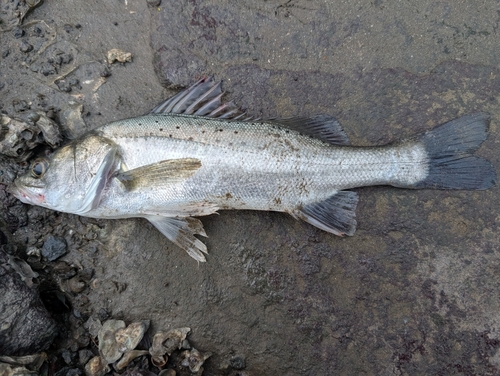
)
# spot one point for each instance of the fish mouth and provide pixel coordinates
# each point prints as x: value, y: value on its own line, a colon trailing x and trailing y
x: 25, y: 195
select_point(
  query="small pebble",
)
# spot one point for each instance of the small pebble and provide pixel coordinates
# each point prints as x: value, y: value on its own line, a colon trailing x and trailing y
x: 47, y: 69
x: 25, y: 47
x: 237, y: 362
x: 54, y: 247
x: 18, y: 33
x: 84, y: 356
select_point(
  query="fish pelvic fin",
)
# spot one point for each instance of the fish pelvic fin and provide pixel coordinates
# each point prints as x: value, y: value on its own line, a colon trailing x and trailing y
x: 336, y: 214
x: 181, y: 231
x: 450, y: 163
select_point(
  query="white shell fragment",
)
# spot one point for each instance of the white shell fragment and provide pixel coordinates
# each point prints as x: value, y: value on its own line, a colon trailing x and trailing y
x: 115, y: 338
x: 194, y: 359
x: 166, y: 343
x: 21, y: 365
x: 128, y: 338
x: 96, y: 367
x: 128, y: 357
x: 108, y: 347
x: 118, y: 55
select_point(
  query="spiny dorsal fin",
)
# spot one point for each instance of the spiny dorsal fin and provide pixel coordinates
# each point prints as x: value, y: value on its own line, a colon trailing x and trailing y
x: 323, y: 127
x: 158, y: 174
x: 336, y: 214
x: 203, y: 98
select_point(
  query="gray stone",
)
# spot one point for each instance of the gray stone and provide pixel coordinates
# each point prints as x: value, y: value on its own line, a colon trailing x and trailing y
x: 54, y: 247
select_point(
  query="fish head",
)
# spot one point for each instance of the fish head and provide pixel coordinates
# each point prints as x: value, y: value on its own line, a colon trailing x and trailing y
x: 73, y: 178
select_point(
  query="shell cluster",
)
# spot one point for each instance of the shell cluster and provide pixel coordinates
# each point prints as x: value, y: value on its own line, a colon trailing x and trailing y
x: 119, y: 345
x: 19, y: 137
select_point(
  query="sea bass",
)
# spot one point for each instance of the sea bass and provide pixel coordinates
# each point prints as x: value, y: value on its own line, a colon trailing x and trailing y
x: 194, y: 155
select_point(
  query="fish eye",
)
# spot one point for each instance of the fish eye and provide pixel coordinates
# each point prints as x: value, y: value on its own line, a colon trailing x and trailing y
x: 38, y: 167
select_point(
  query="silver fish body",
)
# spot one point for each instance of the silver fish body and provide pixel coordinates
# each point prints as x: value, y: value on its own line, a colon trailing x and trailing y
x: 174, y: 164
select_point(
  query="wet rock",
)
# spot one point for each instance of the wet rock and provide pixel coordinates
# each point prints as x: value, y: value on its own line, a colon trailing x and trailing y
x: 18, y: 33
x: 23, y: 269
x: 54, y: 247
x: 26, y: 327
x: 93, y: 325
x: 25, y: 47
x: 237, y: 362
x: 118, y: 55
x: 68, y: 357
x: 71, y: 120
x: 20, y: 105
x: 84, y: 356
x: 47, y: 69
x: 64, y: 270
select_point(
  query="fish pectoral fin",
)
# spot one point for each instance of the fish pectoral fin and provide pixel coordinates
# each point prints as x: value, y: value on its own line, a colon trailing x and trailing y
x: 324, y: 127
x: 158, y: 174
x: 181, y: 231
x: 336, y: 214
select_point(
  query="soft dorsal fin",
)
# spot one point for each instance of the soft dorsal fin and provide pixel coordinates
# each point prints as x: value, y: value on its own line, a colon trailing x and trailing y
x: 336, y: 214
x: 323, y: 127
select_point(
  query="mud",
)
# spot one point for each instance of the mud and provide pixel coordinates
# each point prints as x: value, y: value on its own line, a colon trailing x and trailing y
x: 414, y: 292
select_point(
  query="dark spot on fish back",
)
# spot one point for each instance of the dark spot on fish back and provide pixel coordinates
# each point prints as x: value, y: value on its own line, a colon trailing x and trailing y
x: 235, y: 132
x: 229, y: 196
x: 161, y: 129
x: 190, y: 139
x: 177, y: 127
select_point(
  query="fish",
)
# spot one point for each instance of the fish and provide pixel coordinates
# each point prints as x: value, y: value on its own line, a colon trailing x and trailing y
x: 194, y: 155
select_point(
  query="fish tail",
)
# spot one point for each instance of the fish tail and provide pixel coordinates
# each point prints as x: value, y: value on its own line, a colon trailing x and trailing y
x: 449, y: 159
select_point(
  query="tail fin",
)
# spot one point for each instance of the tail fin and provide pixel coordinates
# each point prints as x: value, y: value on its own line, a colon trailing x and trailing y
x: 449, y: 148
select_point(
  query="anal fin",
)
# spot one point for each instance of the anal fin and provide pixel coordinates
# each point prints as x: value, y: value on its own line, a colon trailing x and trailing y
x: 336, y: 214
x: 181, y: 231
